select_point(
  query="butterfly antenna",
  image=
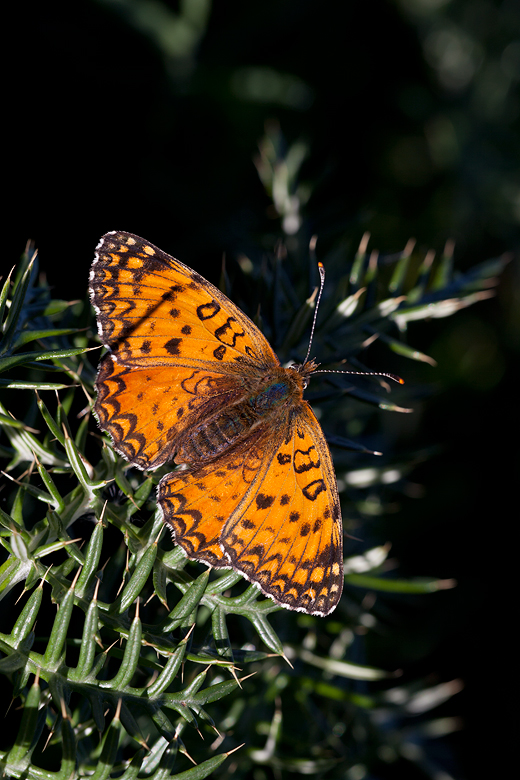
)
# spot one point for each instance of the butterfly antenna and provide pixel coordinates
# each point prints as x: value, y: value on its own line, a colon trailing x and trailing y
x: 362, y: 373
x: 395, y: 378
x: 321, y: 269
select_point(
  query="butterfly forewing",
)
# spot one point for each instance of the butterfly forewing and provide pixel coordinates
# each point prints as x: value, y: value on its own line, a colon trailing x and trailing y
x: 159, y: 318
x: 189, y: 377
x: 153, y: 310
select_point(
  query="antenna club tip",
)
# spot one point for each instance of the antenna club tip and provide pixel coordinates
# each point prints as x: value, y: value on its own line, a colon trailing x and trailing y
x: 320, y: 264
x: 395, y: 378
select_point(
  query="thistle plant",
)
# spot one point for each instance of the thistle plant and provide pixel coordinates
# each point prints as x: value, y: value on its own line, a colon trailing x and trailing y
x: 123, y: 659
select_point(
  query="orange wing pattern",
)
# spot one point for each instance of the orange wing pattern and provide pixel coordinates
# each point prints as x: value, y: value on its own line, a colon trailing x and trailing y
x: 147, y: 411
x: 196, y: 504
x: 158, y: 316
x: 190, y: 378
x: 272, y: 512
x: 154, y: 311
x: 286, y: 534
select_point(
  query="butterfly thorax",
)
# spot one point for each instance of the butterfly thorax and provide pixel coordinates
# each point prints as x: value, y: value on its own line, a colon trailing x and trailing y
x: 262, y: 403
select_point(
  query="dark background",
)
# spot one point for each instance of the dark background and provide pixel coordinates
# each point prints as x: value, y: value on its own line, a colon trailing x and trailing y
x: 147, y: 118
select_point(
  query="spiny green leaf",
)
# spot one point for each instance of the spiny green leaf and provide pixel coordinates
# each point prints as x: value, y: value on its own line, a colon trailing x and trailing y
x: 341, y: 668
x: 19, y: 292
x: 31, y: 727
x: 416, y: 585
x: 139, y: 577
x: 110, y: 743
x: 27, y: 357
x: 205, y: 769
x: 22, y: 384
x: 31, y: 335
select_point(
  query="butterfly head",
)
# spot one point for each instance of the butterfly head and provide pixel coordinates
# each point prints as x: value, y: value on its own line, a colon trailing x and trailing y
x: 305, y: 370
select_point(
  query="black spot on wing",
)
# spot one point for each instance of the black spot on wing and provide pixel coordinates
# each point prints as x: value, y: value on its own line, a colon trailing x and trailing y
x: 263, y: 501
x: 172, y: 346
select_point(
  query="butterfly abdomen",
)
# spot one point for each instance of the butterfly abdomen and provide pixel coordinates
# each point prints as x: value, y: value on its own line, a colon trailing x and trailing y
x: 212, y: 437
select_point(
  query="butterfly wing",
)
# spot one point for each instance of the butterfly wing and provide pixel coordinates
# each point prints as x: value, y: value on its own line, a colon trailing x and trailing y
x: 147, y: 410
x: 196, y: 504
x: 272, y: 512
x: 286, y: 535
x: 178, y: 347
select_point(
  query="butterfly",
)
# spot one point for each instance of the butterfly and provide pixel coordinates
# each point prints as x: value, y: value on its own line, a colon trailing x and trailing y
x: 190, y: 379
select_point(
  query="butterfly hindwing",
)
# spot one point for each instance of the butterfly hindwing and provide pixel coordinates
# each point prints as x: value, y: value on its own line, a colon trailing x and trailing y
x: 197, y: 503
x: 287, y: 536
x: 271, y: 511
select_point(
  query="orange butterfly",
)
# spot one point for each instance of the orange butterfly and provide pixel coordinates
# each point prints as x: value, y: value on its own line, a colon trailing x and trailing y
x: 190, y: 379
